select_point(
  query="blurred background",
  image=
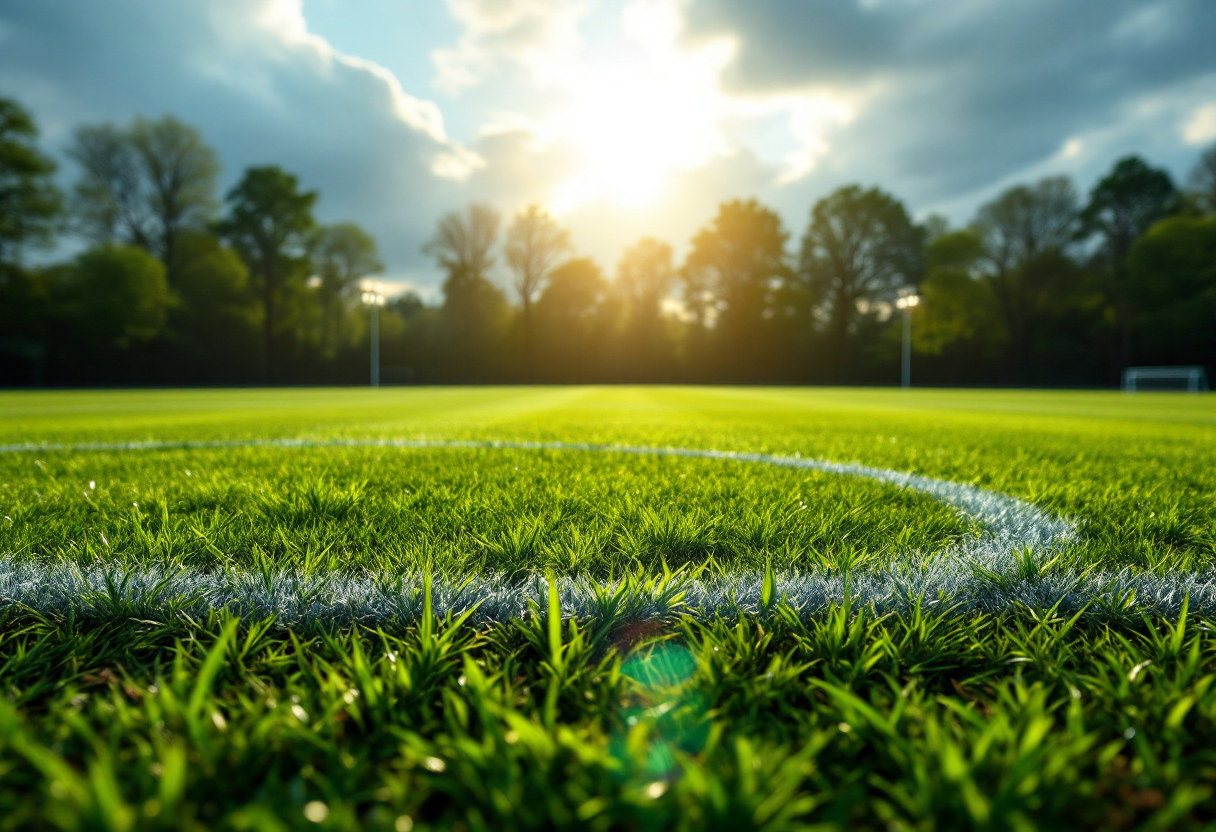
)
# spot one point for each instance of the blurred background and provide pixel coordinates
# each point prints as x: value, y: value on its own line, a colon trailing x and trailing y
x: 518, y: 191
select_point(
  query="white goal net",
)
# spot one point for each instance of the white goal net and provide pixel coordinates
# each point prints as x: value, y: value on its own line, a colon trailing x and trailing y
x: 1144, y: 379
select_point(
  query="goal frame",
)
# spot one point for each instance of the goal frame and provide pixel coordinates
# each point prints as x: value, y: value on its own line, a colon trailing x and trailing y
x: 1195, y: 377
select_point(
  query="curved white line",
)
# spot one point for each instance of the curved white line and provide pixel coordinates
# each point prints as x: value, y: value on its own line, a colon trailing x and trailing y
x: 978, y: 574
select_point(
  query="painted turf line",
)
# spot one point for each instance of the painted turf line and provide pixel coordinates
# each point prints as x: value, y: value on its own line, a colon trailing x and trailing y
x: 982, y: 574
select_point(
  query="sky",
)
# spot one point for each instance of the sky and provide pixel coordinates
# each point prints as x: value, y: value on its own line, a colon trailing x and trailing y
x: 629, y: 118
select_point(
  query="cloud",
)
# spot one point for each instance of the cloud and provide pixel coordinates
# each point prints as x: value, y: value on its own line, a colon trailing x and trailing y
x: 263, y: 90
x: 948, y: 98
x: 1201, y: 127
x: 625, y: 112
x: 541, y: 36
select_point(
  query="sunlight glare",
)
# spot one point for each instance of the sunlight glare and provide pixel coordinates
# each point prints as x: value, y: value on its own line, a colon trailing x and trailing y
x: 636, y: 122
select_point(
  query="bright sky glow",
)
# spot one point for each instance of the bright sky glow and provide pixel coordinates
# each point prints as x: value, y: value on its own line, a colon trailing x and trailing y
x: 635, y: 122
x: 651, y: 108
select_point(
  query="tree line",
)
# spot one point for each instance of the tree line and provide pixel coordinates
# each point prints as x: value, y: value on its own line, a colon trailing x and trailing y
x: 173, y: 285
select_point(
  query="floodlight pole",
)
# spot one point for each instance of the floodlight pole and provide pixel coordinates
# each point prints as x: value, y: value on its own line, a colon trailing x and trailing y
x: 375, y: 300
x: 906, y: 365
x: 375, y: 345
x: 905, y: 302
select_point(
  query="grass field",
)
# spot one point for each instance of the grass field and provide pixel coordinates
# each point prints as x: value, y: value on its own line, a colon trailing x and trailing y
x: 541, y: 652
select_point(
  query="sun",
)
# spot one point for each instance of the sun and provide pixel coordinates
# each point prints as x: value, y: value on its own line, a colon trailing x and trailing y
x: 637, y: 117
x: 651, y: 106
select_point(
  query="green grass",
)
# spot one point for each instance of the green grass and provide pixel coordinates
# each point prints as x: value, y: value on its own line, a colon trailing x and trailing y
x: 393, y: 510
x: 928, y: 719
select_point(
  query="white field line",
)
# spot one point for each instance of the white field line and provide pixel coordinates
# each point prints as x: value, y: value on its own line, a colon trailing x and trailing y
x: 992, y: 572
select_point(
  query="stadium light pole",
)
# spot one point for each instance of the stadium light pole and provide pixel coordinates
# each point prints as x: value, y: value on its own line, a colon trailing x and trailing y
x: 906, y: 302
x: 375, y: 300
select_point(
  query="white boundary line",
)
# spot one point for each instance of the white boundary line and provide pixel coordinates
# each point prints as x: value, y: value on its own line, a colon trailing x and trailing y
x: 982, y: 574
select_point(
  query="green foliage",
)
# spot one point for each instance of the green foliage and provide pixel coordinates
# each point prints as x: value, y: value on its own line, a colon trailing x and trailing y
x: 1127, y: 202
x: 1034, y: 303
x: 119, y: 296
x: 573, y: 292
x: 859, y: 248
x: 30, y: 203
x: 270, y: 224
x: 957, y: 307
x: 144, y: 184
x: 473, y: 318
x: 217, y: 321
x: 1173, y: 285
x: 644, y: 276
x: 732, y: 262
x: 533, y: 245
x: 342, y: 255
x: 574, y: 319
x: 1122, y: 207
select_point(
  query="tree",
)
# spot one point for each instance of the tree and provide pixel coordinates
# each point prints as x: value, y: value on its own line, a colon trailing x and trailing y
x: 270, y: 224
x: 1172, y: 282
x: 958, y: 310
x: 118, y: 297
x: 535, y: 242
x: 463, y: 244
x: 181, y: 172
x: 109, y: 203
x: 29, y: 201
x: 644, y: 276
x: 342, y: 256
x: 1202, y: 184
x: 1122, y: 206
x: 1024, y: 232
x: 860, y: 246
x: 729, y: 272
x: 218, y: 321
x: 144, y: 184
x: 574, y: 291
x: 569, y: 320
x: 473, y: 307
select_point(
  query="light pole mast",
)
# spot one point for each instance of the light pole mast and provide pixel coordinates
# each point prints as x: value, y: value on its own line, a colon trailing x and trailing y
x: 907, y: 299
x: 375, y: 300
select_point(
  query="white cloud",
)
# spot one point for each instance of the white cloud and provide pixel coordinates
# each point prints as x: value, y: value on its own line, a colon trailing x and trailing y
x: 1201, y: 128
x: 261, y: 87
x: 539, y: 35
x: 948, y: 99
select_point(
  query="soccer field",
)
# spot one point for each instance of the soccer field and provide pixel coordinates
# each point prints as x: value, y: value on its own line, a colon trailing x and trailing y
x: 607, y: 608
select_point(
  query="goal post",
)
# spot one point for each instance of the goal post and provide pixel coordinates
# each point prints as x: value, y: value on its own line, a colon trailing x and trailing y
x: 1172, y: 379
